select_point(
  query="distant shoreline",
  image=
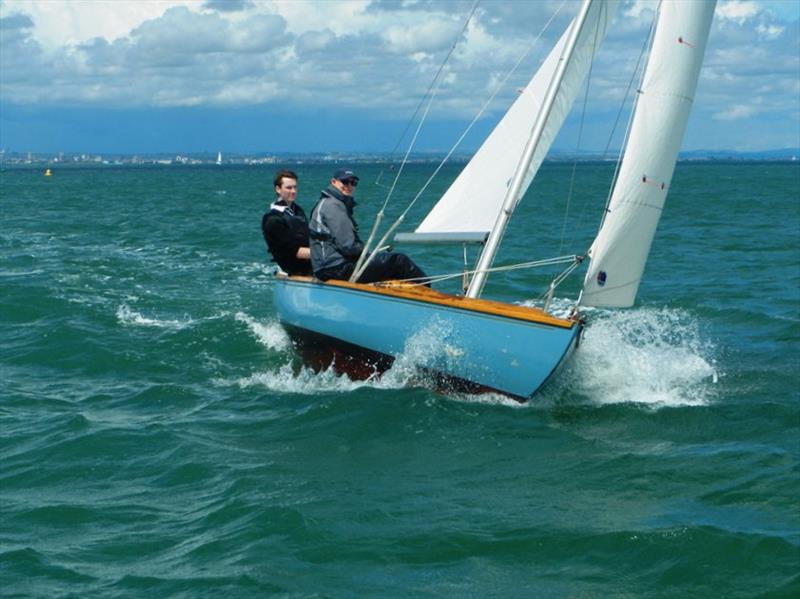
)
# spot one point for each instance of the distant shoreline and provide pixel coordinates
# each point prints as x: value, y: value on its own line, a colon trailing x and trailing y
x: 60, y: 160
x: 272, y: 162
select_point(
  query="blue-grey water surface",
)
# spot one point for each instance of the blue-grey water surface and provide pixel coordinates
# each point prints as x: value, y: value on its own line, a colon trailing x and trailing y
x: 159, y: 441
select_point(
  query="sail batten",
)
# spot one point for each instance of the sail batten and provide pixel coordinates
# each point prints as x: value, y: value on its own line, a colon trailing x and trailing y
x: 619, y: 252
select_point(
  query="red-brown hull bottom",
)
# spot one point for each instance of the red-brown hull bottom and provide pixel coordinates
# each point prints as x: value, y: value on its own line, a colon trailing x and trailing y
x: 320, y: 352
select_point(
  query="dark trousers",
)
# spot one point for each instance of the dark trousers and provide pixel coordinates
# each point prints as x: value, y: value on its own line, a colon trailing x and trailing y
x: 383, y: 267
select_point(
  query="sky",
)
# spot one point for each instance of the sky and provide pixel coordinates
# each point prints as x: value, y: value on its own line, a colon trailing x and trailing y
x: 272, y: 76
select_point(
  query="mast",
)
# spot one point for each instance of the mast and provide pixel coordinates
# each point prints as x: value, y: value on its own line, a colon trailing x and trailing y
x: 514, y: 188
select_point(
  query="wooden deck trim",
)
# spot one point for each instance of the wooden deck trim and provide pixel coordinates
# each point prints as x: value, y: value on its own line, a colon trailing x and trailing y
x: 425, y: 294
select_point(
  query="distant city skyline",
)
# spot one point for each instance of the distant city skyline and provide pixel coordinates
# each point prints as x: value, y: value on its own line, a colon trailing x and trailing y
x: 65, y: 159
x: 249, y: 76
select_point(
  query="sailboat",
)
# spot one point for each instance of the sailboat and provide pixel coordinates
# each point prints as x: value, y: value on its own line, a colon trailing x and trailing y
x: 476, y: 344
x: 219, y: 158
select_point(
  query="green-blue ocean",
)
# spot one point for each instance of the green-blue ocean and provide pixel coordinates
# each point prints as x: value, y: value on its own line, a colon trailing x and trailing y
x: 159, y: 438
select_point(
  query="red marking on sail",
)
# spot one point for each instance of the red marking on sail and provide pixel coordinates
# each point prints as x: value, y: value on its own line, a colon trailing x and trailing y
x: 684, y: 42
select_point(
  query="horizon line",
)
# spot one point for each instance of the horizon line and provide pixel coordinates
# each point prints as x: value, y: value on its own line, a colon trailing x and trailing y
x: 427, y: 153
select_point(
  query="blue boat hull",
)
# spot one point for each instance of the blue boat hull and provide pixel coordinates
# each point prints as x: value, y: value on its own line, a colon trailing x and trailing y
x: 471, y: 346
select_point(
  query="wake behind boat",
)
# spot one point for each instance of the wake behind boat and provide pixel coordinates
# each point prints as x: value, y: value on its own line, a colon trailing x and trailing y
x: 477, y: 344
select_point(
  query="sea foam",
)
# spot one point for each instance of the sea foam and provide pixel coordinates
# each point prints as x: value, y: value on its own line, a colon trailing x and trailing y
x: 283, y: 379
x: 648, y: 356
x: 655, y: 357
x: 127, y: 316
x: 270, y: 334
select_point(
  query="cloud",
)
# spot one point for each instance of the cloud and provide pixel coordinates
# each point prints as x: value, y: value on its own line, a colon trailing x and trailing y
x: 181, y: 31
x: 16, y: 21
x: 227, y: 5
x: 385, y: 52
x: 738, y: 11
x: 182, y: 58
x: 186, y: 57
x: 377, y: 57
x: 432, y: 35
x: 64, y: 23
x: 14, y: 29
x: 314, y: 41
x: 769, y: 32
x: 735, y: 113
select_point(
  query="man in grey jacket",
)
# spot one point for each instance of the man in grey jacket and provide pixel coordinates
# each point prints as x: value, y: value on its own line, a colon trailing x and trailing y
x: 335, y: 245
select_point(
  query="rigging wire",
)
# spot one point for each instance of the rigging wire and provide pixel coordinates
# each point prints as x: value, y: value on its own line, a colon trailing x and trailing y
x: 647, y: 46
x: 572, y: 259
x: 500, y: 86
x: 485, y: 106
x: 431, y: 94
x: 427, y: 93
x: 580, y: 137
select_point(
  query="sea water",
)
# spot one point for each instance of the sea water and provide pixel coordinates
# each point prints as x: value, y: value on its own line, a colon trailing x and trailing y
x: 160, y: 440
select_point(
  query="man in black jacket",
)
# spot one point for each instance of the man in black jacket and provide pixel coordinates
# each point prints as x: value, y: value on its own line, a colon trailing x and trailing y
x: 336, y: 246
x: 285, y: 227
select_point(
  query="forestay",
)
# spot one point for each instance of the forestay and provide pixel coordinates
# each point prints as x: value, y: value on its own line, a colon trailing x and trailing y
x: 620, y: 250
x: 472, y: 203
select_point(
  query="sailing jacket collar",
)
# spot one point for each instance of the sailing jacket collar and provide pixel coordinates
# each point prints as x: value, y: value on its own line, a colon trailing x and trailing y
x: 334, y: 193
x: 281, y: 206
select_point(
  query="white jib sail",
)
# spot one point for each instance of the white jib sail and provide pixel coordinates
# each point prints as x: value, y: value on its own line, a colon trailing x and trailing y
x: 473, y: 201
x: 620, y: 250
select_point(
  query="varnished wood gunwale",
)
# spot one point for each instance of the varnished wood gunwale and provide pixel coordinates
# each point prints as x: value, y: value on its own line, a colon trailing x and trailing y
x: 420, y: 293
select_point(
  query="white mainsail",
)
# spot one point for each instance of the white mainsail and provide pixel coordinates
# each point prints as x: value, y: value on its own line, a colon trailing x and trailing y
x: 474, y: 200
x: 620, y: 250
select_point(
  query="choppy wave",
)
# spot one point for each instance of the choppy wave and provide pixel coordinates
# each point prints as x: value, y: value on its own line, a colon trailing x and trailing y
x: 127, y: 316
x: 425, y: 348
x: 288, y: 378
x: 270, y: 334
x: 251, y: 269
x: 285, y: 378
x: 421, y: 350
x: 649, y: 356
x: 127, y: 470
x: 656, y: 357
x: 304, y: 381
x: 492, y: 399
x: 559, y: 307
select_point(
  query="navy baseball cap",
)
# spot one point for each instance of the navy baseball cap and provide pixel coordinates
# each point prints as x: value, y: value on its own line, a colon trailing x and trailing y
x: 343, y: 174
